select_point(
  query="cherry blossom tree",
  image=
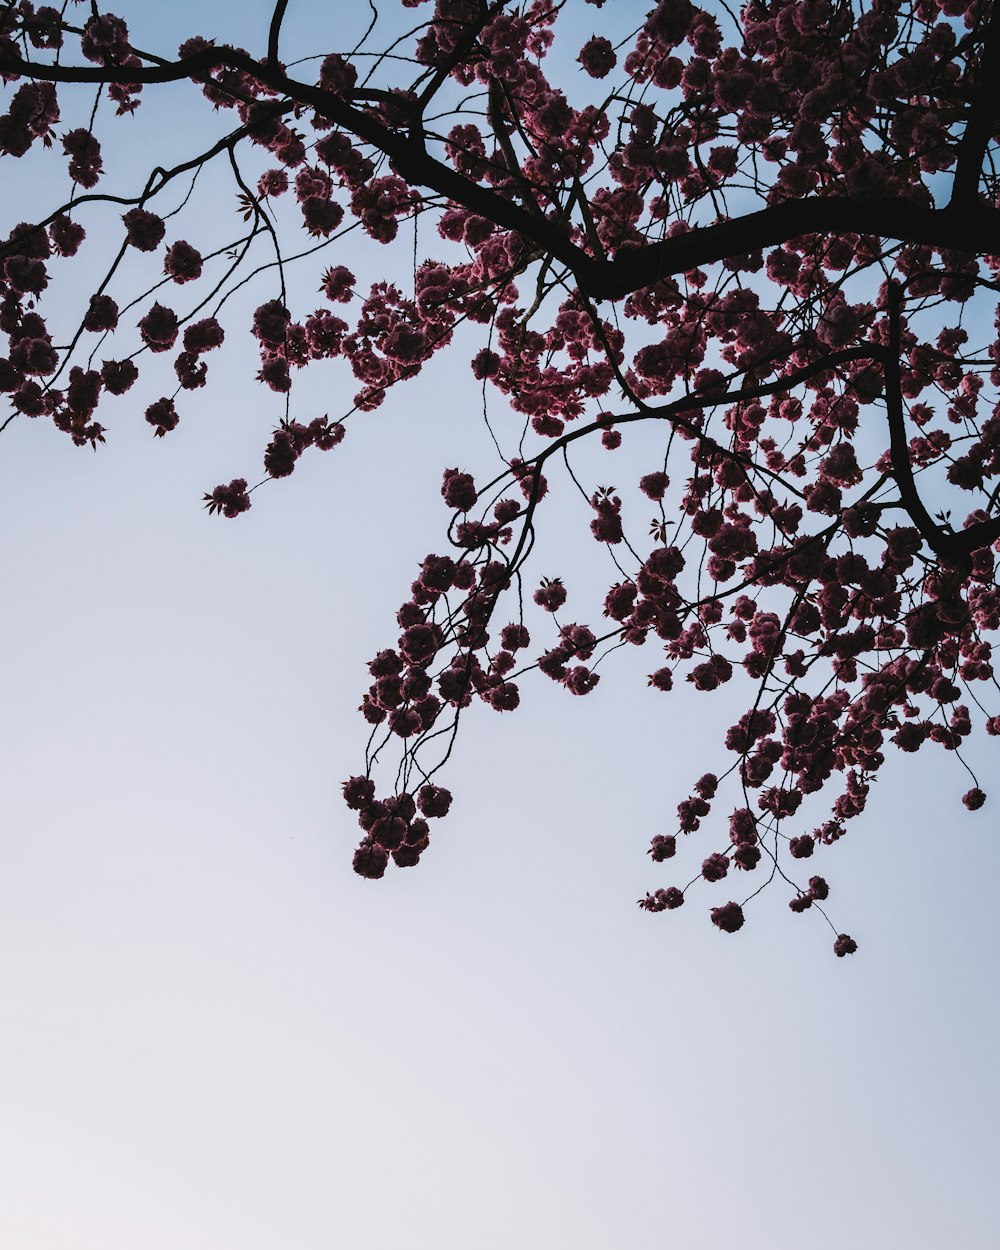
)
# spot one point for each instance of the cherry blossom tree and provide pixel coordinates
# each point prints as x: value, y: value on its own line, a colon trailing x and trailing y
x: 762, y: 245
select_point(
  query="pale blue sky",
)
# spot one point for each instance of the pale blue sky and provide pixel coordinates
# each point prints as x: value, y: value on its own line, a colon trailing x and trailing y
x: 214, y: 1035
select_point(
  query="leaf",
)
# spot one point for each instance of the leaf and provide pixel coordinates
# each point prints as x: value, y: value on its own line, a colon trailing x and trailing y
x: 247, y: 205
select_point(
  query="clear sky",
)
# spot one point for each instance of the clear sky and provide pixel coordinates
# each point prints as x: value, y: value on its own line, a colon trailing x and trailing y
x: 213, y: 1035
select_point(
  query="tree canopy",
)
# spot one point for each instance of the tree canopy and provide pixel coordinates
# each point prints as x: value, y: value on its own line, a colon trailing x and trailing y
x: 762, y: 245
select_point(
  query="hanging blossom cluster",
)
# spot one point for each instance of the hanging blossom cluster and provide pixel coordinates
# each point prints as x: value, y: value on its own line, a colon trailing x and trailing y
x: 762, y: 246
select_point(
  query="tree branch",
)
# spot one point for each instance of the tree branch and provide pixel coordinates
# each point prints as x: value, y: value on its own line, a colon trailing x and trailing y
x: 970, y: 227
x: 982, y: 117
x: 952, y: 548
x: 277, y: 17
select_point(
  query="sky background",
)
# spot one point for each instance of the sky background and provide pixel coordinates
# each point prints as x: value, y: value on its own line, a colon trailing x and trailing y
x: 213, y: 1034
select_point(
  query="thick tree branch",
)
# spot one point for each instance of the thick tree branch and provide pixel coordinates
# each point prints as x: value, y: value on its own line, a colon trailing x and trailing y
x: 273, y: 35
x: 975, y: 228
x: 980, y: 535
x: 982, y: 117
x: 971, y: 228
